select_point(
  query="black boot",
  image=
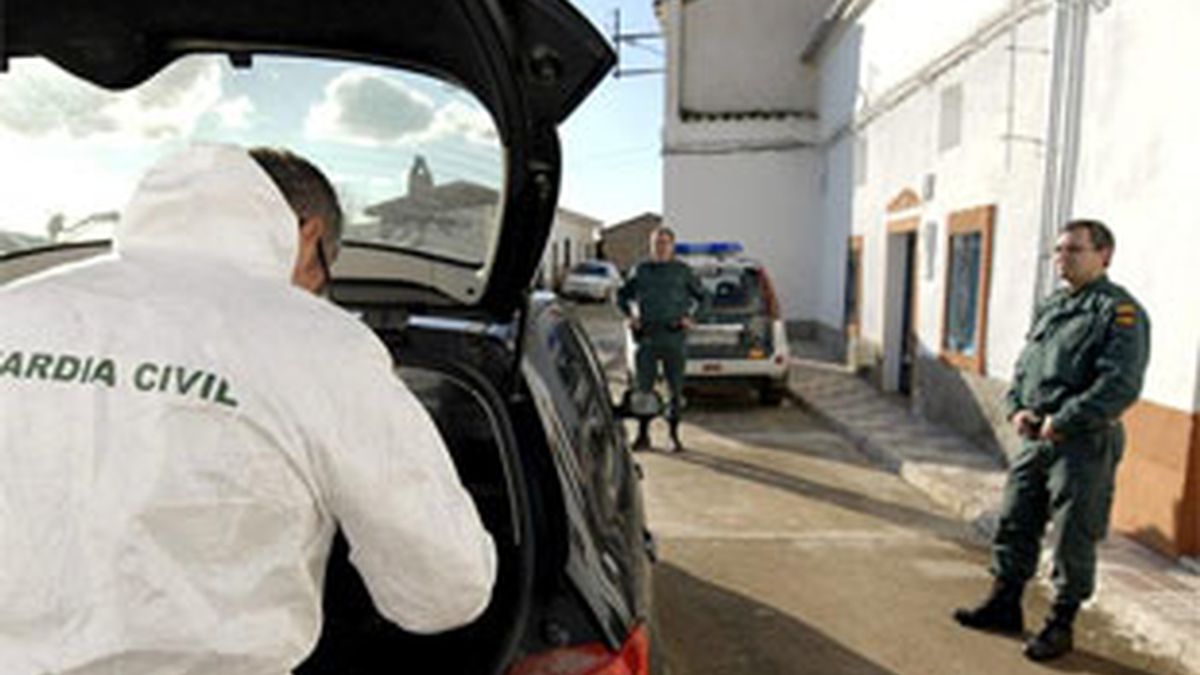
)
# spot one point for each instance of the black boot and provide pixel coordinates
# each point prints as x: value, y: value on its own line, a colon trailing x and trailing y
x: 642, y: 442
x: 676, y: 444
x: 1056, y: 637
x: 1000, y: 612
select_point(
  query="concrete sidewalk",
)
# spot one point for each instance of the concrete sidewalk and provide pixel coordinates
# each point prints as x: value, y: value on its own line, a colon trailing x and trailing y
x: 1154, y: 600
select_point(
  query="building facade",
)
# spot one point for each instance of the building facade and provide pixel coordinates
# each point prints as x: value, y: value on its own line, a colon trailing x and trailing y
x: 574, y: 238
x: 452, y: 218
x: 950, y: 139
x: 626, y: 243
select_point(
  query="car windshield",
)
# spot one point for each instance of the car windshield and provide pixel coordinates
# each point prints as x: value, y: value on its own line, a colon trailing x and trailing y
x: 734, y: 289
x: 417, y: 162
x: 591, y: 270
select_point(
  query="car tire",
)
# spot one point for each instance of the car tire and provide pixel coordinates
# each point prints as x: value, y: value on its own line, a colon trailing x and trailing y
x: 771, y: 393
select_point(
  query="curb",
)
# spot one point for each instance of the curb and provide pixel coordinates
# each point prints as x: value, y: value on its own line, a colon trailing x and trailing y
x: 1118, y: 554
x: 982, y: 518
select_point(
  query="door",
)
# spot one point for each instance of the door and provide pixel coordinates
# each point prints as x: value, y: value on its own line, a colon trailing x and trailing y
x: 900, y: 343
x: 908, y: 337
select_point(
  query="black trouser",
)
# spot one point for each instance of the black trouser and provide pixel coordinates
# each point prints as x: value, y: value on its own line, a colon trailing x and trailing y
x: 1072, y: 481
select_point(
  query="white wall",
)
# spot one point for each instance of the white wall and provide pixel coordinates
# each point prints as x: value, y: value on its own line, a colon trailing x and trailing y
x: 768, y: 200
x: 1137, y: 172
x: 1000, y: 99
x: 837, y: 216
x: 568, y: 229
x: 751, y: 180
x: 905, y: 35
x: 744, y: 55
x: 1136, y: 166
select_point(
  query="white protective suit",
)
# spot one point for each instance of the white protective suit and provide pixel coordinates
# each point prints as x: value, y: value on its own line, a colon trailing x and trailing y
x: 181, y: 430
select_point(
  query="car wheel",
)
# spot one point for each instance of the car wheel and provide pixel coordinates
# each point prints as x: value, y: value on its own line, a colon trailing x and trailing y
x: 771, y: 392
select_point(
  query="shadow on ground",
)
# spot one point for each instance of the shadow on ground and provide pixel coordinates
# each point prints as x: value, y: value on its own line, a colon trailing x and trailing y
x: 705, y: 629
x: 730, y: 634
x: 950, y: 529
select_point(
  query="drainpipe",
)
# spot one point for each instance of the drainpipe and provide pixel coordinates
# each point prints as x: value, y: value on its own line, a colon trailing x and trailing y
x: 1062, y: 133
x: 1044, y: 280
x: 1074, y: 111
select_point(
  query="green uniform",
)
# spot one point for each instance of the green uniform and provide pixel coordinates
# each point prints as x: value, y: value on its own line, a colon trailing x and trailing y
x: 1083, y: 364
x: 665, y: 293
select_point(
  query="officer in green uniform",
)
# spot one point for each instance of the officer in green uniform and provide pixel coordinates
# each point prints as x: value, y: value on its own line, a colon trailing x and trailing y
x: 1081, y: 367
x: 667, y: 294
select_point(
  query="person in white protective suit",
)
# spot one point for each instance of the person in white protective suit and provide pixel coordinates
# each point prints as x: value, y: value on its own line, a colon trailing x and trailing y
x: 184, y: 425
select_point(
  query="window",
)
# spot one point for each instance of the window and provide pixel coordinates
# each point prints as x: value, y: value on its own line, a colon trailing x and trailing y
x: 417, y: 161
x: 734, y: 289
x: 950, y: 119
x: 968, y: 276
x: 853, y: 299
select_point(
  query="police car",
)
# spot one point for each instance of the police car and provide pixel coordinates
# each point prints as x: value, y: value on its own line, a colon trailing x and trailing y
x: 740, y: 339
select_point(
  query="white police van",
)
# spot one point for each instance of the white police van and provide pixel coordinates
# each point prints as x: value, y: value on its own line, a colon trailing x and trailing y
x: 740, y: 338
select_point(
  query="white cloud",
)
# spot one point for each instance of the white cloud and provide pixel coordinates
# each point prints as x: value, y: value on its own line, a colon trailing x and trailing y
x: 235, y: 113
x: 38, y: 100
x: 366, y: 108
x: 362, y: 107
x: 472, y: 123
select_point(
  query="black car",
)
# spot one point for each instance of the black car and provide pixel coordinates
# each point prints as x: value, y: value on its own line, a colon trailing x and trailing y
x: 436, y: 120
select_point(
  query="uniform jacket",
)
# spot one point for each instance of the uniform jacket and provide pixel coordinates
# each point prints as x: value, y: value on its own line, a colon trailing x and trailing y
x: 665, y: 292
x: 181, y: 431
x: 1084, y: 358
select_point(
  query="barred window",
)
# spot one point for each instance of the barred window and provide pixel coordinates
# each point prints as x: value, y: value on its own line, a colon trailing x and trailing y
x: 968, y: 277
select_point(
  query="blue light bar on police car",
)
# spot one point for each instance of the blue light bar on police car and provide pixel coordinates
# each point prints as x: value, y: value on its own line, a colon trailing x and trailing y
x: 707, y: 248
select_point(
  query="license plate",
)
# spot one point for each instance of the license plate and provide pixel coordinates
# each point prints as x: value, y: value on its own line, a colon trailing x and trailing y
x: 715, y: 336
x: 710, y: 368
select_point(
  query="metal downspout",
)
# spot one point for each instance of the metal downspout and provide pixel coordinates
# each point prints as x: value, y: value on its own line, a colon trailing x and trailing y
x: 1045, y: 273
x: 1074, y: 112
x: 1062, y: 133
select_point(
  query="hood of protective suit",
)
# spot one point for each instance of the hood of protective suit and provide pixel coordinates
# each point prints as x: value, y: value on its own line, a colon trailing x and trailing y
x: 212, y: 201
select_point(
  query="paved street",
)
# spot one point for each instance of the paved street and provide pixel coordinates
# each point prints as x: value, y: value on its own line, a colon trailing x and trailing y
x: 783, y: 550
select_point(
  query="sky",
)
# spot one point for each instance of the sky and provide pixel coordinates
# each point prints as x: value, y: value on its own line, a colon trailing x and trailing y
x: 612, y: 162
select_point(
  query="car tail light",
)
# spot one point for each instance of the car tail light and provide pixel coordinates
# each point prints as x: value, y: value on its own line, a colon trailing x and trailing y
x: 591, y: 659
x: 768, y: 293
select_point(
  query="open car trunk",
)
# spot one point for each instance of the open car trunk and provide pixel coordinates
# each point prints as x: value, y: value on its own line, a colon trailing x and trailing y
x: 446, y: 372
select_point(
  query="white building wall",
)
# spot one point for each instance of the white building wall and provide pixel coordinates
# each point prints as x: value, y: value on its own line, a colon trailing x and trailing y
x: 768, y: 201
x: 577, y: 234
x: 998, y: 161
x: 1137, y: 172
x: 903, y: 36
x: 838, y: 98
x: 750, y: 180
x: 837, y: 215
x: 740, y: 56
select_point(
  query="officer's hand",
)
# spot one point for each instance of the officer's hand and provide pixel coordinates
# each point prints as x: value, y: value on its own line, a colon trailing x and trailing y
x: 1023, y: 422
x: 686, y: 323
x: 1047, y: 432
x: 635, y: 324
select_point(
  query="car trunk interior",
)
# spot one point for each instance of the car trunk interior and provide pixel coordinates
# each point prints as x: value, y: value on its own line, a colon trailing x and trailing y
x: 470, y: 413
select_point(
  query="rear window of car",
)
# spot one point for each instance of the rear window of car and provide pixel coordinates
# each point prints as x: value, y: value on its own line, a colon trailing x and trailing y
x: 734, y: 289
x: 591, y: 270
x: 417, y: 161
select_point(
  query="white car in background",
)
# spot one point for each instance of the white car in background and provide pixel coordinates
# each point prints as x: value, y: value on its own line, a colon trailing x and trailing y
x: 592, y: 280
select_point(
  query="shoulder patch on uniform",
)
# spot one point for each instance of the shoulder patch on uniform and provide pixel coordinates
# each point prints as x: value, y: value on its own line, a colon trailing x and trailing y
x: 1125, y: 320
x: 1126, y: 309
